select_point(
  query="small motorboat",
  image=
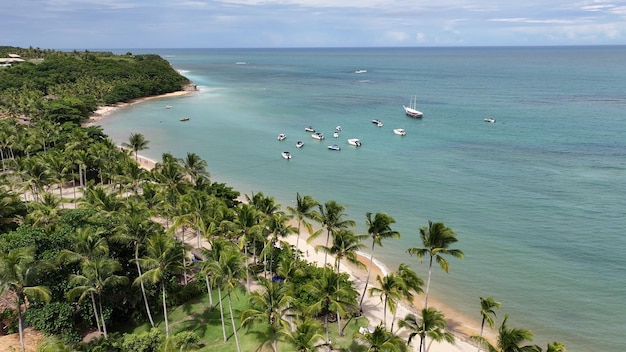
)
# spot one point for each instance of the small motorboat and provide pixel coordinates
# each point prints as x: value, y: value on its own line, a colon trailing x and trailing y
x: 281, y: 137
x: 168, y: 106
x: 377, y: 123
x: 336, y: 134
x: 360, y: 71
x: 338, y: 128
x: 286, y: 155
x: 490, y: 120
x: 299, y: 144
x: 355, y: 142
x: 317, y: 135
x: 184, y: 119
x: 334, y: 147
x: 309, y: 129
x: 399, y: 131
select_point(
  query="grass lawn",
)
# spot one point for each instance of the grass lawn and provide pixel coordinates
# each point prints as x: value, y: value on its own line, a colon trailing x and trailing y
x: 196, y: 316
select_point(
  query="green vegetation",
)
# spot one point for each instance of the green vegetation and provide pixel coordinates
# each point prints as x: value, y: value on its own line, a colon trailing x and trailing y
x: 164, y: 259
x: 66, y: 86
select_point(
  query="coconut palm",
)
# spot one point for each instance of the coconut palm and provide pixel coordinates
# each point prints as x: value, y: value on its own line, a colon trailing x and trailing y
x: 330, y: 215
x: 436, y: 240
x: 380, y: 340
x: 59, y: 169
x: 212, y: 255
x: 164, y: 258
x: 46, y: 213
x: 278, y: 227
x: 136, y: 142
x: 409, y: 283
x: 18, y: 272
x: 97, y: 275
x: 332, y: 295
x: 243, y: 227
x: 390, y: 292
x: 195, y: 167
x: 269, y: 304
x: 379, y: 228
x: 345, y: 245
x: 508, y: 340
x: 487, y: 312
x: 306, y: 337
x: 555, y: 346
x: 302, y: 211
x: 432, y: 325
x: 226, y: 273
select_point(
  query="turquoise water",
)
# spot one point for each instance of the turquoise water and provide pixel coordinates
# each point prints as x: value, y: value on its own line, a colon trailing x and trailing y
x: 537, y: 198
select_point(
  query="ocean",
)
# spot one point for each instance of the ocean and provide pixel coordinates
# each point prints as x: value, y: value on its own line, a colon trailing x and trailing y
x: 537, y: 199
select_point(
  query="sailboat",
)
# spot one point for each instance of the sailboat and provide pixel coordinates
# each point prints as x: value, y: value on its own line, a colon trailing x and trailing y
x: 411, y: 110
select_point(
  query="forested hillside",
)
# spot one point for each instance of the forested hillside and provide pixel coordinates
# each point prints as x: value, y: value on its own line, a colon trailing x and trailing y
x: 67, y: 86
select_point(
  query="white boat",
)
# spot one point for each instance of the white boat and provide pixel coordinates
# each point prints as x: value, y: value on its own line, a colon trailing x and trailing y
x: 241, y: 63
x: 411, y: 110
x: 282, y: 136
x: 336, y: 134
x: 317, y: 135
x: 184, y: 119
x: 377, y: 123
x: 286, y: 155
x: 399, y: 131
x: 334, y: 147
x: 309, y: 129
x: 168, y: 106
x: 299, y: 144
x: 490, y: 120
x: 360, y: 71
x: 355, y: 142
x: 338, y: 128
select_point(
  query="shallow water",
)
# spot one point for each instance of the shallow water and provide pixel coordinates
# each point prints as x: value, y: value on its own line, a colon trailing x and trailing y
x: 536, y: 198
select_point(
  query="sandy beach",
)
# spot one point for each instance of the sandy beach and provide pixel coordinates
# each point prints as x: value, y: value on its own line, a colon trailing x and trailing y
x: 102, y: 111
x: 461, y: 326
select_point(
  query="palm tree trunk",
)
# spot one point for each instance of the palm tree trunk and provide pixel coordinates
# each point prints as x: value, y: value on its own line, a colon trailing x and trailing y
x: 295, y: 253
x: 143, y: 289
x: 208, y: 287
x: 95, y: 311
x: 245, y: 251
x: 327, y: 330
x: 367, y: 281
x: 482, y: 327
x: 430, y: 270
x: 326, y: 253
x: 385, y: 313
x: 104, y: 325
x: 167, y: 327
x: 184, y: 260
x: 20, y: 322
x: 232, y: 319
x: 219, y: 295
x: 338, y: 316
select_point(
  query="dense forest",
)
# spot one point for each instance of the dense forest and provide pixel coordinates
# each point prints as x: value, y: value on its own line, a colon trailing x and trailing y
x: 164, y: 259
x: 67, y: 86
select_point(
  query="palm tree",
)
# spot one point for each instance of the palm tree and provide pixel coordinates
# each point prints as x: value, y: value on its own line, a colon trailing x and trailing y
x: 97, y: 275
x: 269, y: 305
x: 409, y: 283
x: 45, y: 214
x: 331, y: 294
x: 306, y: 337
x: 195, y: 167
x: 345, y: 245
x: 380, y: 340
x: 18, y: 271
x: 164, y: 257
x: 432, y: 324
x: 226, y: 273
x: 331, y: 216
x: 509, y: 340
x: 136, y: 142
x: 277, y: 225
x: 302, y: 211
x: 487, y: 312
x: 244, y: 226
x: 436, y: 240
x: 379, y: 228
x: 555, y: 346
x: 390, y: 292
x: 58, y: 168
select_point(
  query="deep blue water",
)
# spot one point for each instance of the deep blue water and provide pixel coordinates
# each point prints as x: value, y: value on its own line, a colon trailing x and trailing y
x: 537, y: 198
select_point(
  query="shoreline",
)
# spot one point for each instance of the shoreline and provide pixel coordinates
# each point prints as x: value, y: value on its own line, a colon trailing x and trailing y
x: 105, y: 110
x: 459, y: 324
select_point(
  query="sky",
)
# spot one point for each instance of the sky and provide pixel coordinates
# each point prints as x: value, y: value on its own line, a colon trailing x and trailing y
x: 110, y: 24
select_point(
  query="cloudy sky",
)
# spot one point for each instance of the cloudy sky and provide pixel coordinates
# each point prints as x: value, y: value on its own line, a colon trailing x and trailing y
x: 96, y: 24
